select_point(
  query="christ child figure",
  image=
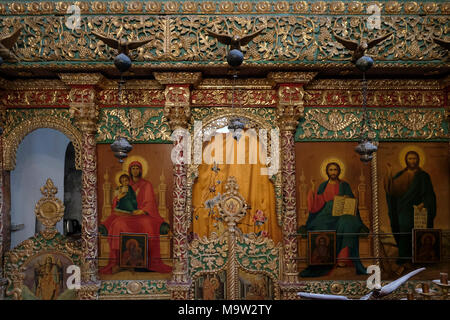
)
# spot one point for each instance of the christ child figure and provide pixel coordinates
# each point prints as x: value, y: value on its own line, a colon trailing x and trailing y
x: 126, y: 197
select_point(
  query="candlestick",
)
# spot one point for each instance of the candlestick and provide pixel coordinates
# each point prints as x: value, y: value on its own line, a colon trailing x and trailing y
x: 444, y: 278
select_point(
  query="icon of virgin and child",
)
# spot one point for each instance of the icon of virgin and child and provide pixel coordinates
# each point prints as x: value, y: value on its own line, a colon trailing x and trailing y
x: 134, y: 210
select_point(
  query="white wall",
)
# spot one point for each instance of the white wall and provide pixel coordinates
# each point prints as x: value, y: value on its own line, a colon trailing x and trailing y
x: 40, y: 156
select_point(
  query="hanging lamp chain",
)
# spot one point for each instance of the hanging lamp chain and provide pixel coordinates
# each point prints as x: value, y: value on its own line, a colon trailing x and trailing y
x: 365, y: 125
x: 118, y: 134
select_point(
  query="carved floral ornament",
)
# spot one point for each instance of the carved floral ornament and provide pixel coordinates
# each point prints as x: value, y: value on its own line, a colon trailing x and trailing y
x: 343, y: 124
x: 288, y: 38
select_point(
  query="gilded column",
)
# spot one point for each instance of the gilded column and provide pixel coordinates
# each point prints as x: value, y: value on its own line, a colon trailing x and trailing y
x: 289, y: 110
x: 84, y: 110
x: 177, y: 110
x: 375, y: 211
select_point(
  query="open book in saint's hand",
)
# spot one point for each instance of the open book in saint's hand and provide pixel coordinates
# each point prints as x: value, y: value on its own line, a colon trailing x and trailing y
x: 344, y: 205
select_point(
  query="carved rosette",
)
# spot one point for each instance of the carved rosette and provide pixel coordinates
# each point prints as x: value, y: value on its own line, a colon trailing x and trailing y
x: 84, y: 109
x: 177, y: 110
x: 49, y: 210
x: 290, y: 109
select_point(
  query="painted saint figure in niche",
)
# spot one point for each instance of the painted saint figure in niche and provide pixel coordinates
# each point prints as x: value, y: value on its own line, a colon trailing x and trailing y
x: 408, y: 188
x: 322, y: 253
x: 132, y: 256
x: 427, y: 251
x: 145, y: 219
x: 320, y: 207
x: 210, y: 285
x: 48, y: 278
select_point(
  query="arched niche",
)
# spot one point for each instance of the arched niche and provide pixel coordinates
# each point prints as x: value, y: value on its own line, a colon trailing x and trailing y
x: 18, y: 133
x: 40, y: 155
x: 211, y: 124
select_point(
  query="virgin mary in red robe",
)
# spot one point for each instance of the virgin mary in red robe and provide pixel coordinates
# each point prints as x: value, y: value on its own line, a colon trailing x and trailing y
x: 145, y: 219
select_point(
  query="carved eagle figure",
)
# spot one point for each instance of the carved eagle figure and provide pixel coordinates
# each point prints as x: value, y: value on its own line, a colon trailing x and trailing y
x: 360, y: 48
x: 443, y: 43
x: 375, y: 294
x: 122, y: 45
x: 234, y: 41
x: 6, y: 43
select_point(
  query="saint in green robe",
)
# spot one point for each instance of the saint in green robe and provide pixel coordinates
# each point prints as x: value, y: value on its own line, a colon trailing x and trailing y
x: 324, y: 220
x: 401, y: 196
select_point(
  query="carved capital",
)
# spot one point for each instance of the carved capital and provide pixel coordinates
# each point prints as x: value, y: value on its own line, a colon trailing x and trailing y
x: 83, y: 98
x: 290, y: 106
x: 178, y: 95
x: 168, y: 78
x: 291, y: 77
x: 290, y: 96
x: 177, y: 107
x: 86, y: 115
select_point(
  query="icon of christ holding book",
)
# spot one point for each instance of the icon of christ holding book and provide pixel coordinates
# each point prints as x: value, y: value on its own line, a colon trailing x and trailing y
x: 342, y: 217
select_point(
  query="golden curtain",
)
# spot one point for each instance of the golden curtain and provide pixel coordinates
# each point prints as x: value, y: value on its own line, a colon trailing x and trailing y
x: 256, y: 188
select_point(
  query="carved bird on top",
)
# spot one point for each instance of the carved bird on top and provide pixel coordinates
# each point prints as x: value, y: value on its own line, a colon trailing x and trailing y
x: 123, y: 45
x: 234, y: 41
x: 6, y: 43
x: 443, y: 43
x: 360, y: 48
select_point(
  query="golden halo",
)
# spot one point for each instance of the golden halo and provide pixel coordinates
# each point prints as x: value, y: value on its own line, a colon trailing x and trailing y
x: 405, y: 150
x: 323, y: 167
x: 118, y: 174
x: 130, y: 159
